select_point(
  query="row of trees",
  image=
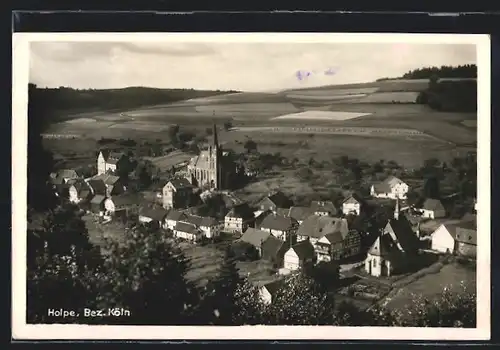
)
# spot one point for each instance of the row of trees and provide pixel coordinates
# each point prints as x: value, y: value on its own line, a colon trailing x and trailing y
x: 466, y: 71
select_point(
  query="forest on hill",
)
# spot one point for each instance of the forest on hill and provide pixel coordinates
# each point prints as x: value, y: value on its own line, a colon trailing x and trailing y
x: 466, y: 71
x: 65, y: 99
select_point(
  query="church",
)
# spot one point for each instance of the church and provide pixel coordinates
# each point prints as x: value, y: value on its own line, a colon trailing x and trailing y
x: 213, y: 167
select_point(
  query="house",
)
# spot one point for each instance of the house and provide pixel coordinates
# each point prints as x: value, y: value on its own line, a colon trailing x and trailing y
x: 97, y: 187
x: 432, y: 209
x: 299, y: 255
x: 338, y: 243
x: 281, y: 227
x: 274, y: 249
x: 62, y: 190
x: 238, y: 219
x: 187, y: 231
x: 392, y: 187
x: 113, y: 184
x: 153, y: 216
x: 120, y: 204
x: 260, y: 216
x: 466, y: 238
x: 79, y: 191
x: 323, y: 208
x: 111, y: 162
x: 210, y: 227
x: 255, y: 238
x: 443, y: 239
x: 274, y: 201
x: 394, y: 249
x: 173, y: 217
x: 177, y: 194
x: 97, y: 204
x: 315, y: 227
x: 300, y: 213
x: 269, y: 291
x: 67, y: 174
x: 352, y: 205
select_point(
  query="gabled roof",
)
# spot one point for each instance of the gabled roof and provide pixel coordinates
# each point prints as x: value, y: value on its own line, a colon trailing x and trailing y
x: 274, y: 286
x: 242, y: 211
x: 466, y: 232
x: 97, y: 186
x: 255, y: 237
x: 387, y: 185
x: 125, y: 200
x: 383, y: 246
x: 193, y: 219
x: 175, y: 215
x: 180, y: 183
x: 112, y: 157
x: 318, y: 226
x: 300, y: 213
x: 186, y: 227
x: 271, y: 247
x: 98, y: 199
x: 278, y: 222
x: 157, y: 213
x: 304, y: 250
x: 279, y: 199
x: 260, y: 218
x: 108, y: 179
x: 403, y: 231
x: 282, y: 211
x: 324, y: 206
x: 67, y: 174
x: 208, y: 221
x: 354, y: 198
x: 432, y: 204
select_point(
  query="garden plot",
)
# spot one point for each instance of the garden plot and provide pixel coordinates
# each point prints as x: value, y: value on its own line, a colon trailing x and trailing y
x: 321, y: 115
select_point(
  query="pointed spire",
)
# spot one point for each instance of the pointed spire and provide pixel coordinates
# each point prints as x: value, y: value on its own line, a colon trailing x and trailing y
x: 216, y: 139
x: 396, y: 209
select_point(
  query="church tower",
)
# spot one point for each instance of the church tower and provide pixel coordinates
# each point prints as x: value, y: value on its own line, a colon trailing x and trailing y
x: 216, y: 159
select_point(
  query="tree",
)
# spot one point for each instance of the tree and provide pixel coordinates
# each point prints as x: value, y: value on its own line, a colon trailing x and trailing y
x: 431, y: 187
x: 300, y: 302
x: 250, y: 146
x: 173, y: 130
x: 147, y: 276
x: 228, y: 125
x: 209, y: 131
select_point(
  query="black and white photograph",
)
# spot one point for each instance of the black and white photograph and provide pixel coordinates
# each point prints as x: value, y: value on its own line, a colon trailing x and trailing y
x: 321, y: 181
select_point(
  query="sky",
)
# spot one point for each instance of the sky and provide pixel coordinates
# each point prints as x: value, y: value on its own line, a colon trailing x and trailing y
x: 231, y: 66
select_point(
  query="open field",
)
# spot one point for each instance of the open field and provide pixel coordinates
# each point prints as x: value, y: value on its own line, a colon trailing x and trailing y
x: 320, y: 115
x: 390, y: 97
x: 172, y: 159
x: 432, y: 285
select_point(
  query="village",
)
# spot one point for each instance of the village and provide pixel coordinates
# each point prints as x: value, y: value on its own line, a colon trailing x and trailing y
x: 272, y: 232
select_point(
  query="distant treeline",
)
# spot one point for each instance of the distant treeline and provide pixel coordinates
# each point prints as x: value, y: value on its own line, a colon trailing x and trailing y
x: 463, y: 71
x: 66, y: 99
x: 450, y: 96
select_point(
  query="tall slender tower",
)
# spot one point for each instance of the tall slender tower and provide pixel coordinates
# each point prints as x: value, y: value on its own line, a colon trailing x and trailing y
x: 216, y: 154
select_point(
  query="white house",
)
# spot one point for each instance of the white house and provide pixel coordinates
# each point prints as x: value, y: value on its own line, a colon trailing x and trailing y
x: 298, y: 255
x: 323, y: 208
x: 279, y: 226
x: 238, y: 219
x: 110, y: 161
x: 122, y: 202
x: 173, y: 217
x: 352, y: 205
x: 392, y: 187
x: 256, y: 238
x: 177, y: 193
x: 269, y: 291
x: 210, y: 227
x: 432, y: 209
x: 443, y: 239
x: 79, y: 191
x: 187, y: 231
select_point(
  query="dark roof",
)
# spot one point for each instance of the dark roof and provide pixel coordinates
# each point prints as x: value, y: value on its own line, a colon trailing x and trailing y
x: 304, y: 250
x: 98, y: 199
x: 279, y: 199
x: 260, y: 218
x: 272, y: 247
x: 386, y: 185
x: 175, y: 215
x: 432, y: 204
x: 157, y: 214
x: 180, y: 183
x: 274, y: 286
x: 186, y: 227
x: 278, y: 222
x: 85, y: 193
x: 383, y: 246
x: 67, y: 174
x: 208, y: 221
x: 318, y: 226
x: 300, y: 213
x: 125, y: 200
x: 193, y: 219
x: 255, y: 237
x: 403, y: 231
x: 97, y: 186
x: 112, y: 157
x: 470, y: 217
x: 108, y: 179
x: 62, y: 189
x: 241, y: 211
x: 466, y: 232
x: 324, y: 206
x: 282, y: 211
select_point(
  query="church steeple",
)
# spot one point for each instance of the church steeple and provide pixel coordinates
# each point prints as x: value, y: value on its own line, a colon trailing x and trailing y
x: 396, y: 209
x: 216, y: 139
